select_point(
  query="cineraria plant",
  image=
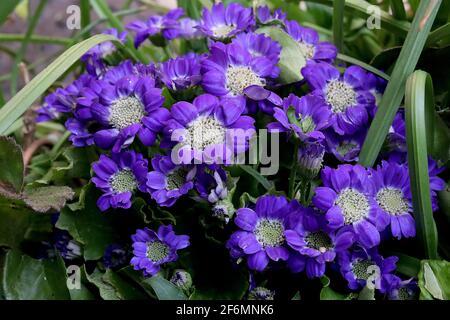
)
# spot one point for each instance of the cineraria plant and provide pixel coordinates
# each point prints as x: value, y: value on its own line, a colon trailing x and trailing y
x: 147, y: 167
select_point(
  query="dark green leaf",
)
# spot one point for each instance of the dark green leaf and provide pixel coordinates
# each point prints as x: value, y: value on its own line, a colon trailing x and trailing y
x: 6, y: 8
x: 44, y: 199
x: 25, y: 278
x: 11, y: 164
x: 164, y: 289
x: 434, y: 279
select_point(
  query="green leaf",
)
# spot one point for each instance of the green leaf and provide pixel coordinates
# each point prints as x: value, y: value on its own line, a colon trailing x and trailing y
x: 390, y: 102
x: 329, y: 294
x: 15, y: 219
x: 363, y: 65
x: 292, y: 57
x: 366, y: 294
x: 398, y: 9
x: 11, y: 164
x: 433, y: 279
x: 164, y: 289
x: 44, y: 199
x: 444, y: 201
x: 94, y: 229
x: 193, y: 8
x: 6, y: 8
x: 407, y: 265
x: 338, y: 24
x: 25, y: 278
x: 255, y: 174
x: 123, y: 289
x: 15, y: 107
x: 440, y: 37
x: 106, y: 290
x: 419, y: 116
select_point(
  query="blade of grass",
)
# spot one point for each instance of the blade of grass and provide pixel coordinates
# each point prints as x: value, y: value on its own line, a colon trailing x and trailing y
x: 6, y: 8
x: 392, y: 98
x: 23, y: 48
x: 11, y: 37
x: 255, y: 174
x: 362, y: 8
x: 440, y: 37
x: 338, y: 24
x: 85, y: 9
x: 363, y: 65
x: 407, y: 265
x: 398, y: 9
x: 419, y: 116
x: 15, y: 107
x: 103, y: 11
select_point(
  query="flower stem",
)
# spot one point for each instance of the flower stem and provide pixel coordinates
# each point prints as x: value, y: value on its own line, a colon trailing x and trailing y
x: 293, y: 174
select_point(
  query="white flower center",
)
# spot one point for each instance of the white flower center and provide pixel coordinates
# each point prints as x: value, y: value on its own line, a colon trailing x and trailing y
x: 340, y: 95
x: 125, y: 112
x: 176, y: 179
x: 361, y: 270
x: 392, y: 201
x: 157, y: 251
x: 319, y: 241
x: 222, y: 31
x: 354, y: 205
x: 204, y: 132
x: 241, y: 77
x: 308, y: 50
x: 269, y: 232
x: 123, y: 181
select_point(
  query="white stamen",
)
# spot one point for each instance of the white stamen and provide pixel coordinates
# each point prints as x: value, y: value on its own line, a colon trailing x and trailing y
x: 125, y: 112
x: 392, y: 201
x: 241, y: 77
x: 340, y: 95
x: 204, y: 132
x: 354, y: 205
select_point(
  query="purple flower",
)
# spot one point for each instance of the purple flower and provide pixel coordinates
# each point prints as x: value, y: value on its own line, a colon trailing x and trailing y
x: 67, y: 247
x: 166, y: 25
x: 118, y: 178
x: 359, y: 266
x: 261, y: 293
x: 393, y: 198
x: 347, y: 198
x: 398, y: 289
x: 181, y: 73
x: 231, y: 71
x: 169, y: 181
x: 152, y: 249
x: 315, y: 244
x: 262, y: 235
x: 79, y: 133
x: 259, y: 45
x: 310, y: 158
x: 188, y: 29
x: 225, y: 22
x: 207, y: 131
x: 344, y: 95
x: 115, y: 256
x: 306, y: 117
x: 345, y: 148
x: 264, y: 15
x: 312, y: 48
x: 133, y: 106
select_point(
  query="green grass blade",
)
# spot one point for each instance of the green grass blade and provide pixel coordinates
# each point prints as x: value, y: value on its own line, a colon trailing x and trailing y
x: 85, y: 9
x: 23, y: 47
x: 15, y: 107
x: 6, y: 8
x: 361, y: 8
x: 440, y: 37
x: 398, y: 9
x: 363, y: 65
x: 392, y: 98
x: 255, y: 174
x: 338, y: 24
x: 419, y: 116
x: 407, y: 265
x: 103, y: 10
x: 12, y: 37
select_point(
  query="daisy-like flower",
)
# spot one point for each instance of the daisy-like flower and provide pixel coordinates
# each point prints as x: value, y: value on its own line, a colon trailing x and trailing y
x: 152, y: 249
x: 306, y: 117
x: 133, y: 106
x: 346, y: 147
x: 312, y: 48
x: 399, y: 289
x: 169, y: 181
x: 263, y: 231
x: 345, y: 95
x: 207, y: 131
x: 358, y: 266
x: 231, y: 71
x: 315, y: 244
x: 264, y: 16
x: 260, y: 45
x: 224, y: 22
x: 166, y: 25
x: 347, y: 198
x: 181, y: 73
x: 393, y: 198
x: 118, y: 178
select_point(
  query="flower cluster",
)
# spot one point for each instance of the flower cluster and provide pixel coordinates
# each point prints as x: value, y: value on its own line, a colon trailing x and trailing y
x: 171, y: 130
